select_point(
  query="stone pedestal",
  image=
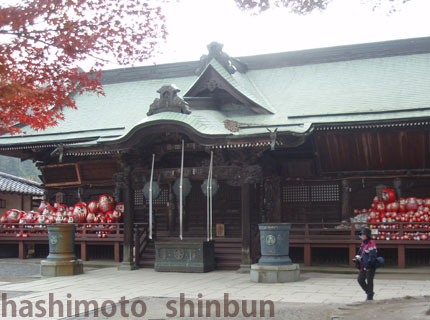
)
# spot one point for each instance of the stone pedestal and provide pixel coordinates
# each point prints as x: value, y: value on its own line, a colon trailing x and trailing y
x: 275, y: 273
x: 244, y: 268
x: 127, y: 266
x: 61, y: 268
x: 61, y: 260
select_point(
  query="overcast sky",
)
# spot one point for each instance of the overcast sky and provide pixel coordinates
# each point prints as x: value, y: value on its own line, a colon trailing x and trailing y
x: 192, y: 24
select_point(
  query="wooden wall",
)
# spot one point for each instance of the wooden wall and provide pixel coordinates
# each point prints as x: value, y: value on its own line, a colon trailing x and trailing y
x: 312, y: 173
x: 373, y: 150
x: 226, y: 210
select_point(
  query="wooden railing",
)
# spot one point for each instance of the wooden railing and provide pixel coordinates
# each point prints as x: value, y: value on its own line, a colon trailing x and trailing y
x: 345, y: 235
x: 86, y: 234
x: 349, y: 232
x: 306, y: 235
x: 84, y: 231
x: 141, y: 240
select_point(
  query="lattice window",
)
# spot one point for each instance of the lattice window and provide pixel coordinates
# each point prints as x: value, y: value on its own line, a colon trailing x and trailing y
x: 325, y: 193
x: 162, y: 199
x: 139, y: 198
x: 311, y: 193
x: 295, y: 194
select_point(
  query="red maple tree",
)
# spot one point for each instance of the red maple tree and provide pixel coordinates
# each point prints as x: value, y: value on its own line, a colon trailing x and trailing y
x: 43, y: 41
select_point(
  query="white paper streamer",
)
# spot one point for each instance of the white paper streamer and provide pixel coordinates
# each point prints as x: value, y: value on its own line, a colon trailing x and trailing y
x: 181, y: 181
x: 150, y: 197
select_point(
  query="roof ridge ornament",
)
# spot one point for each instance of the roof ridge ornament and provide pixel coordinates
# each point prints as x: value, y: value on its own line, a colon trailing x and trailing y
x: 169, y: 101
x: 215, y: 52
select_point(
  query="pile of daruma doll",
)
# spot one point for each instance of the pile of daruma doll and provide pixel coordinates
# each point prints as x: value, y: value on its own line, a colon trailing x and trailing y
x: 388, y: 215
x: 101, y: 214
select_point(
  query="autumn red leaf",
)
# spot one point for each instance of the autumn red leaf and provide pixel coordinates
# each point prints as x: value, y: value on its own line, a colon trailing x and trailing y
x: 42, y: 42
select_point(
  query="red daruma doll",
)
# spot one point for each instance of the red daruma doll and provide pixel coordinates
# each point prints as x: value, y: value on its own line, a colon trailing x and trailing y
x: 106, y: 203
x: 388, y: 195
x: 80, y: 212
x: 42, y: 206
x: 118, y: 212
x: 93, y: 207
x: 62, y: 210
x: 48, y: 211
x: 12, y: 216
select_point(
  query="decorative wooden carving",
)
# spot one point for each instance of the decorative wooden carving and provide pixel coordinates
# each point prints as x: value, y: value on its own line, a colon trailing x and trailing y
x: 169, y: 101
x: 242, y: 157
x: 248, y: 174
x: 346, y: 199
x: 215, y: 52
x: 138, y: 178
x: 122, y: 179
x: 252, y: 174
x: 268, y: 204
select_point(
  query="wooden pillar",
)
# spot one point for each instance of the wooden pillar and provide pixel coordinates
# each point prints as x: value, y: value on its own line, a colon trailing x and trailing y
x: 21, y: 250
x: 401, y: 260
x: 277, y: 203
x: 116, y: 248
x: 84, y: 256
x: 123, y: 182
x: 23, y: 203
x: 307, y: 254
x: 352, y: 253
x: 307, y: 250
x: 245, y: 266
x: 272, y: 199
x: 127, y: 258
x: 346, y: 200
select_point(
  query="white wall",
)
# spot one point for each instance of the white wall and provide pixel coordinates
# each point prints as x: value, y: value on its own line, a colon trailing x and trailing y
x: 14, y: 201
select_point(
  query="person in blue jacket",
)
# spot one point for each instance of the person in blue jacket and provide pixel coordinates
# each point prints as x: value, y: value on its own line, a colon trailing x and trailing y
x: 367, y: 262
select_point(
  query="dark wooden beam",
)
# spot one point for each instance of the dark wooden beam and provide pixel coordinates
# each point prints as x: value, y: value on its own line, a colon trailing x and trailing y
x: 124, y: 183
x: 245, y: 266
x: 277, y: 198
x: 346, y: 200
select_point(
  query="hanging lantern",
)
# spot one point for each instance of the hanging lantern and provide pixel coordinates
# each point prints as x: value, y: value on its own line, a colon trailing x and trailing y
x: 155, y: 190
x: 215, y: 187
x: 186, y: 187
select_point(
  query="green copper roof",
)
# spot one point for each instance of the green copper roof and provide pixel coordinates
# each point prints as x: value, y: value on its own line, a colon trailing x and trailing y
x: 385, y: 81
x: 241, y: 83
x: 353, y: 87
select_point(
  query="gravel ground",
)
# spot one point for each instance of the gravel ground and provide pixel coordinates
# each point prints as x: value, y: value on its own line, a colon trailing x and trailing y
x: 411, y: 308
x: 17, y: 272
x: 408, y: 308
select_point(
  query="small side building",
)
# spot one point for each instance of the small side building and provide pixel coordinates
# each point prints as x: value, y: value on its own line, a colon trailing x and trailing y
x: 18, y: 193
